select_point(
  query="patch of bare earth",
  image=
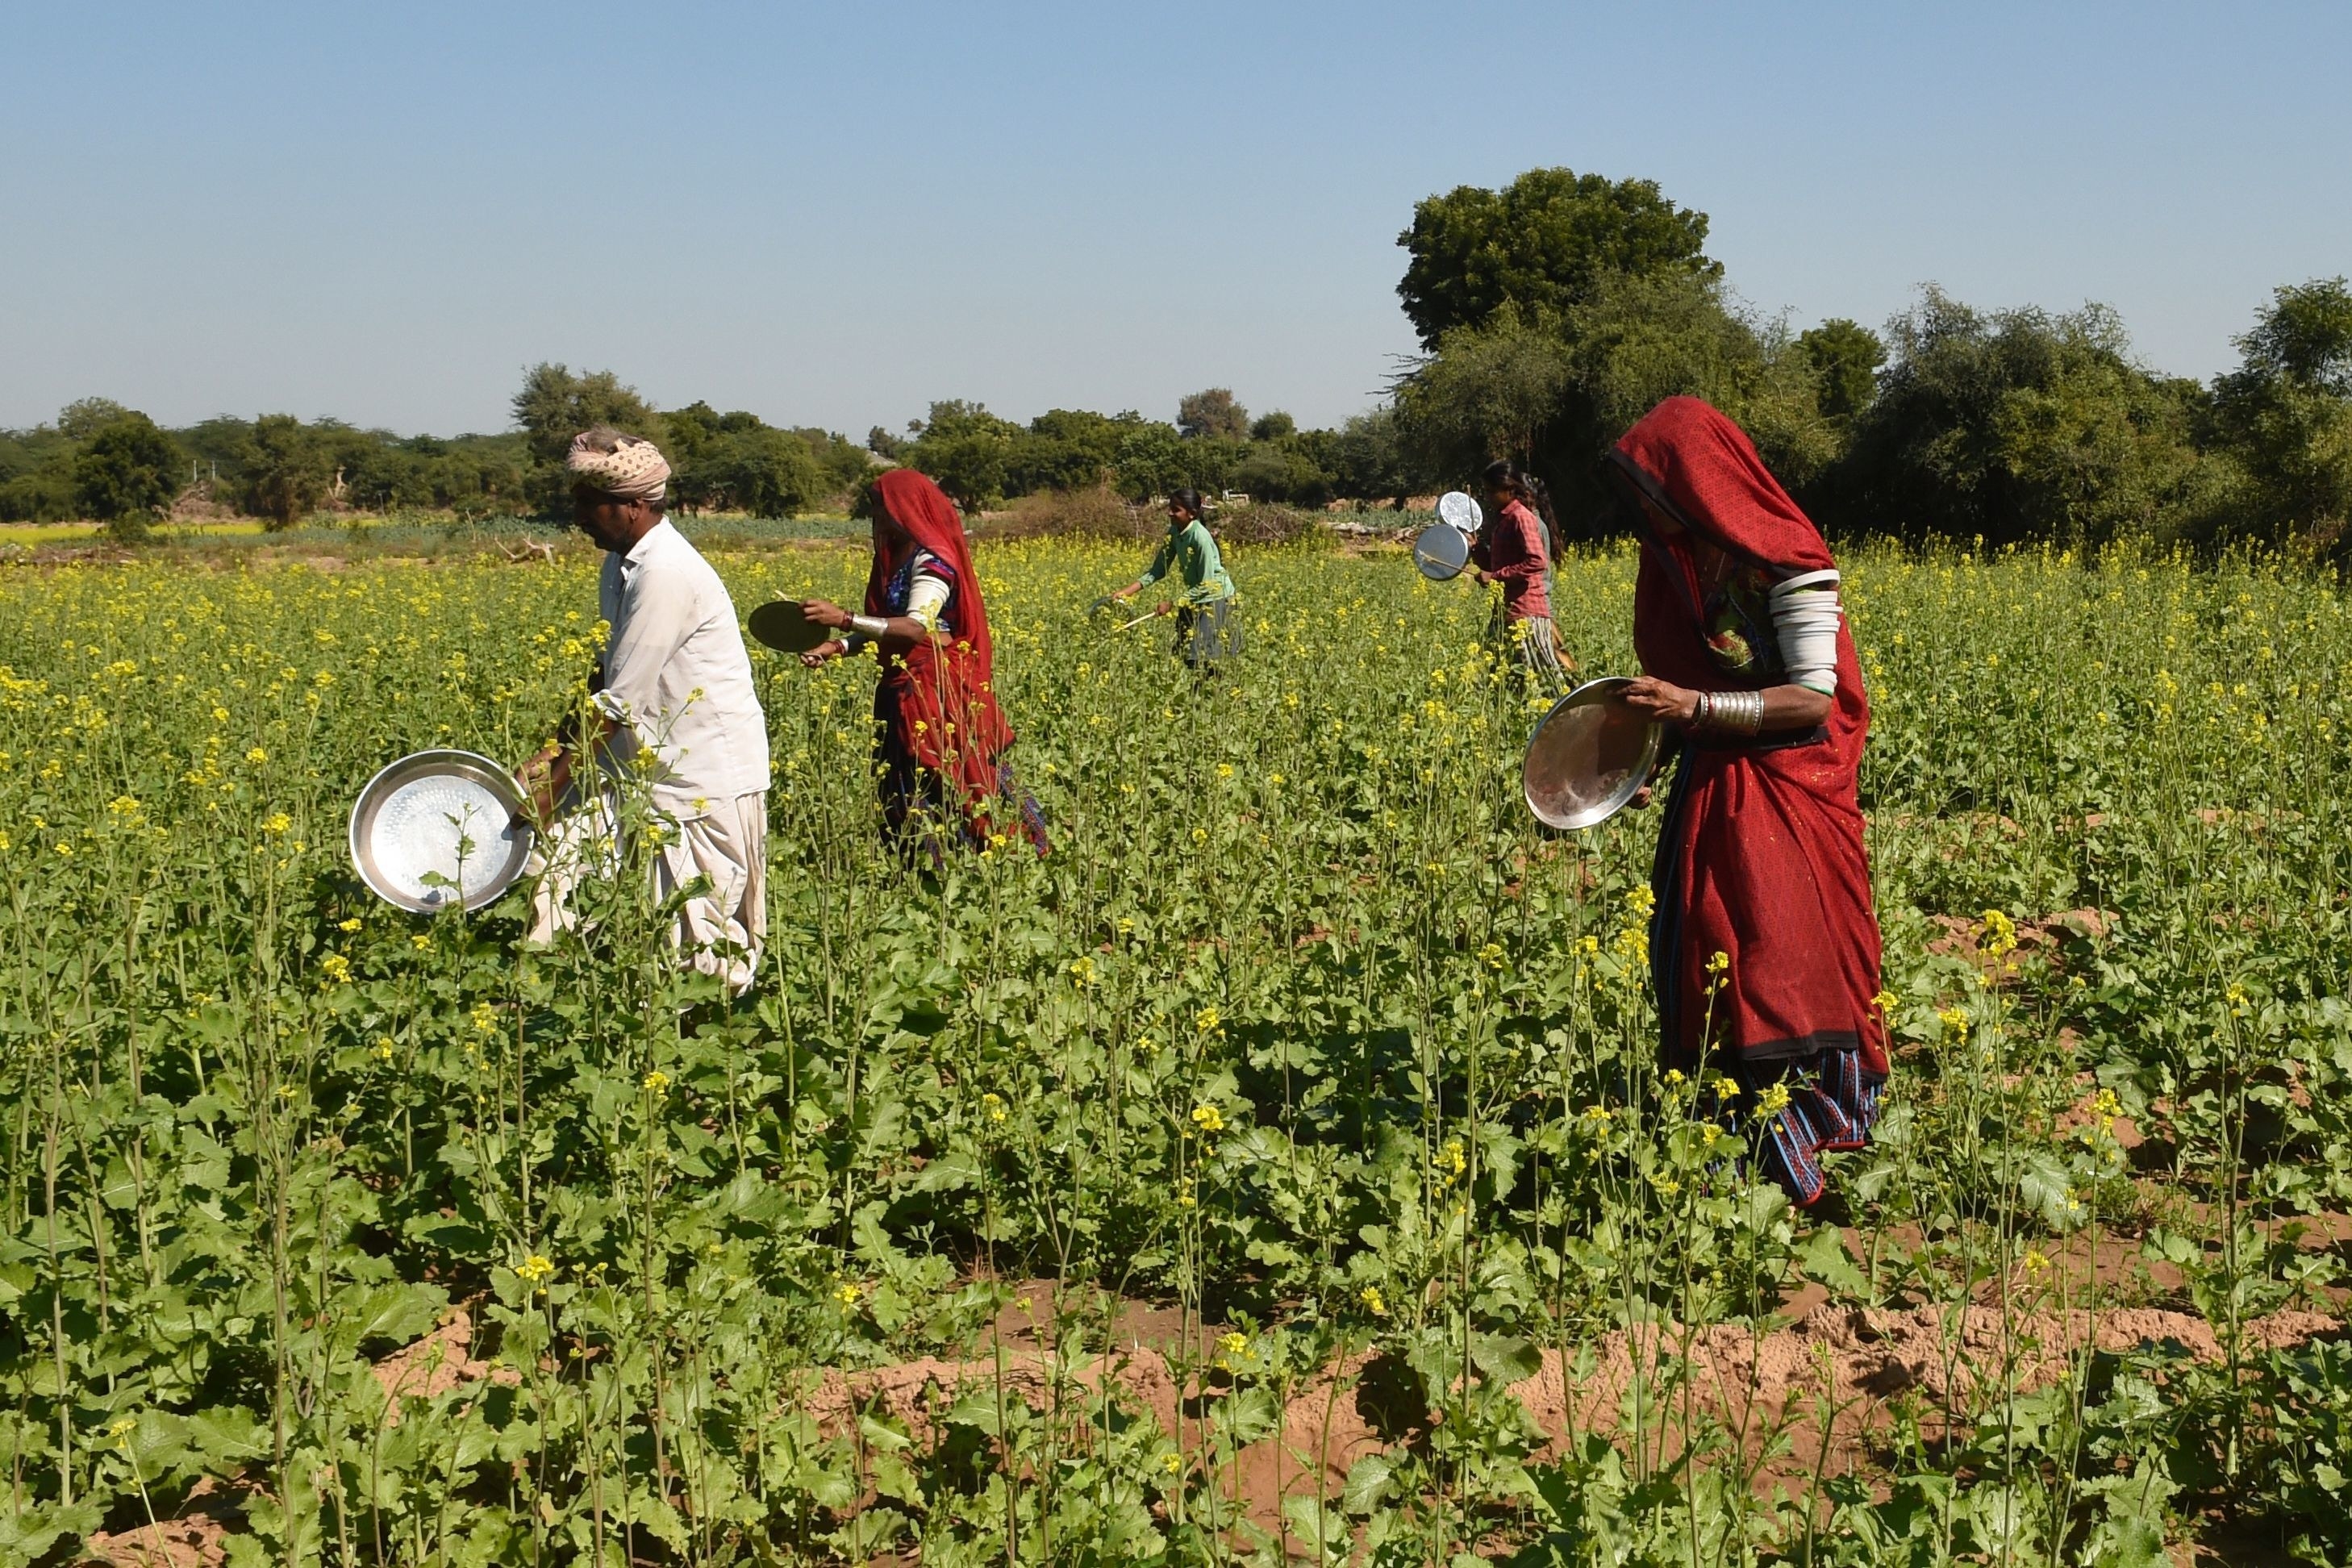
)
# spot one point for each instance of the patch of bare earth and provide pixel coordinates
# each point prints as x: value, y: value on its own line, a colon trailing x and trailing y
x: 441, y: 1360
x: 1852, y: 1360
x: 195, y: 1535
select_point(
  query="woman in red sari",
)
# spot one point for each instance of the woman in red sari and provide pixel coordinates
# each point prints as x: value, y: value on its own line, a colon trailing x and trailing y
x: 939, y: 736
x: 1745, y: 656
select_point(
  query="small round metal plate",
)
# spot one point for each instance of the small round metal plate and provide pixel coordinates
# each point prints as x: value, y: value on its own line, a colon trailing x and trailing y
x: 1589, y: 756
x: 439, y: 827
x: 1441, y: 551
x: 1457, y: 508
x: 779, y: 624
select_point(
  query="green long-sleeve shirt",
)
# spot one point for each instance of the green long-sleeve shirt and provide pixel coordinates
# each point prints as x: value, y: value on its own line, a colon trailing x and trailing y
x: 1191, y: 552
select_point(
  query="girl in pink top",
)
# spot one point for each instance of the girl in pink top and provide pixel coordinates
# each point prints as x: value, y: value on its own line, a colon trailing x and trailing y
x: 1514, y: 549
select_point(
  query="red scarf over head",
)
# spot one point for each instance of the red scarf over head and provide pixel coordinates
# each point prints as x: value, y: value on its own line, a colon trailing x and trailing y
x: 1762, y: 860
x: 945, y: 696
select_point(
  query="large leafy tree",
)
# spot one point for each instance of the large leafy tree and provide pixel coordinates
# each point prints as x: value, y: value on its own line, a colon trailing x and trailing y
x: 127, y: 474
x: 1542, y: 245
x: 764, y: 472
x: 1068, y: 450
x: 2285, y: 414
x: 2019, y: 424
x: 1555, y: 392
x: 1490, y: 392
x: 1845, y: 356
x: 1151, y: 461
x: 556, y: 405
x: 287, y: 469
x: 1211, y: 415
x: 86, y: 416
x: 1369, y: 459
x: 967, y: 449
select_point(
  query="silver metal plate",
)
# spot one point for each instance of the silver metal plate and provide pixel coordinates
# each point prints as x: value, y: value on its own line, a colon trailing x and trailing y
x: 438, y: 826
x: 1590, y: 754
x: 1441, y: 551
x: 1458, y: 508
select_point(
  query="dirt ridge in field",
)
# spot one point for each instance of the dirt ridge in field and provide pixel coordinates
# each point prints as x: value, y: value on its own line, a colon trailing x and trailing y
x: 1854, y: 1357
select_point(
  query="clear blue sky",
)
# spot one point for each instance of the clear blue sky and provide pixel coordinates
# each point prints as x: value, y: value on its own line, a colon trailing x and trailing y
x: 833, y: 214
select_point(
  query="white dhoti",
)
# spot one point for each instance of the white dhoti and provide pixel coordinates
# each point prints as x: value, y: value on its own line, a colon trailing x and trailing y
x: 722, y: 929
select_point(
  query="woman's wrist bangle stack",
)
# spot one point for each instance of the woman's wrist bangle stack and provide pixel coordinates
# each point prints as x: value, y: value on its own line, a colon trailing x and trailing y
x: 1741, y: 712
x: 869, y: 626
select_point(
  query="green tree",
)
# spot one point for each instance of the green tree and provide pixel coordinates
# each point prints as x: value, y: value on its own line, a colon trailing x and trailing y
x: 286, y: 469
x: 86, y: 416
x: 687, y: 430
x: 1274, y: 427
x: 1490, y: 392
x: 2020, y: 425
x: 127, y: 474
x: 1211, y: 415
x: 1271, y: 471
x: 765, y: 471
x: 1068, y: 450
x: 218, y: 446
x: 555, y: 404
x: 40, y: 493
x: 2305, y: 337
x: 1368, y: 459
x: 2284, y: 415
x: 1554, y: 393
x: 967, y: 449
x: 1151, y: 461
x: 1543, y: 244
x: 843, y: 463
x: 1846, y: 357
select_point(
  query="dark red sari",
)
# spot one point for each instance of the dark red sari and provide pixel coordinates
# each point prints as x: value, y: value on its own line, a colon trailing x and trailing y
x: 943, y: 737
x: 1760, y: 857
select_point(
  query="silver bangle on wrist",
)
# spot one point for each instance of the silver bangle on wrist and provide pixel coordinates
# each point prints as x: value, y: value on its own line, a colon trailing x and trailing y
x: 868, y: 626
x: 1741, y: 712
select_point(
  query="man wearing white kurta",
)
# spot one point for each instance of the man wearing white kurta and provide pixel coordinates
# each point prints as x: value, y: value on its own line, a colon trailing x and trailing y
x: 678, y: 709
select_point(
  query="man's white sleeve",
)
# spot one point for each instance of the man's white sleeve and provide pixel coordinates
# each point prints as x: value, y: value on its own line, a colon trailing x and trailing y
x: 657, y: 615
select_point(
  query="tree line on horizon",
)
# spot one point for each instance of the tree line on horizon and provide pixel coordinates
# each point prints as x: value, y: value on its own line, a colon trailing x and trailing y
x: 1552, y: 314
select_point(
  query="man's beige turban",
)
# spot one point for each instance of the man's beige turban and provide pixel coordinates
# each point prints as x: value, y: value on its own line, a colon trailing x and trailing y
x: 624, y: 465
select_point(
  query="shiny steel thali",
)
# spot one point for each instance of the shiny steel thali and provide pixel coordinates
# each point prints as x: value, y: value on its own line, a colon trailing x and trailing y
x: 1461, y: 508
x: 441, y: 828
x: 1590, y: 755
x: 1441, y: 552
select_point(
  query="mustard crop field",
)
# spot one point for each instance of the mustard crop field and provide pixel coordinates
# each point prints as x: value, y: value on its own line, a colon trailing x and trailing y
x: 1279, y: 1173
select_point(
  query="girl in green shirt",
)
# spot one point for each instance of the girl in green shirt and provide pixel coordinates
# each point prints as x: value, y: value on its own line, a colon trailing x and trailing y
x: 1206, y: 631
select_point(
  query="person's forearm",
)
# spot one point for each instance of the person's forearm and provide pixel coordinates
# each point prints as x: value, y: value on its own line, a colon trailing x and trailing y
x: 1794, y: 707
x: 1705, y: 714
x: 1784, y: 707
x: 900, y: 633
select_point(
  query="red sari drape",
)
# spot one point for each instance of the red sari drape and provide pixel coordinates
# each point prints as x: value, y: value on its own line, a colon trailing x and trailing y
x: 942, y: 699
x: 1761, y: 855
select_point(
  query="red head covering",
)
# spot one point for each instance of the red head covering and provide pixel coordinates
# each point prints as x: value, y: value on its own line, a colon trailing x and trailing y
x: 943, y: 695
x: 916, y: 504
x: 1703, y: 472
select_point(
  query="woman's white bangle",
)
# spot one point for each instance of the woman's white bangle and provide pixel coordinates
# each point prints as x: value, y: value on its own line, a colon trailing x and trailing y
x: 871, y: 627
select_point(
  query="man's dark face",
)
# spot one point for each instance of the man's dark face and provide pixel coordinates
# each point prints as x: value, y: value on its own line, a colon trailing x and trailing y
x: 608, y: 521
